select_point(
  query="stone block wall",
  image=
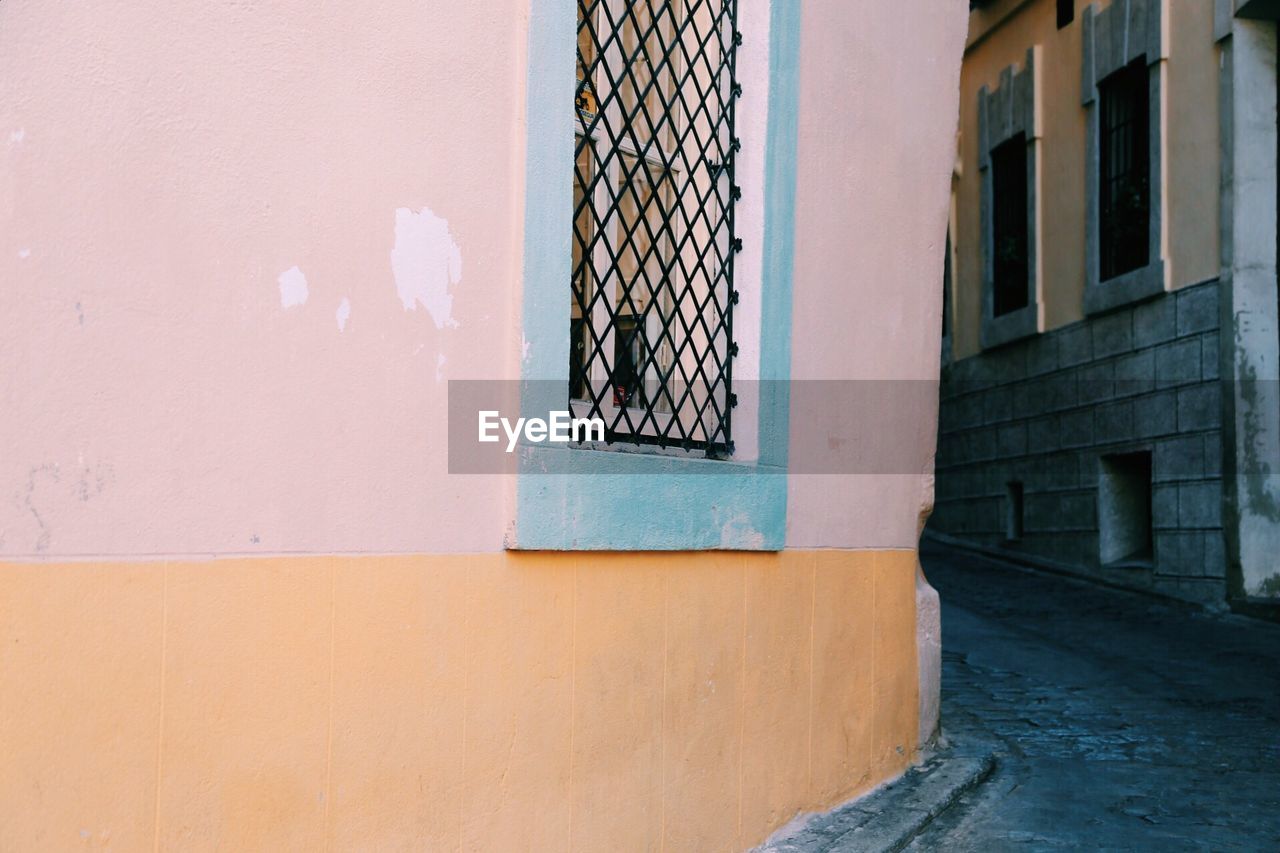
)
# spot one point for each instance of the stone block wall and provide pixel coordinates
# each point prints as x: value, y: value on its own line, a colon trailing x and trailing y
x: 1043, y: 413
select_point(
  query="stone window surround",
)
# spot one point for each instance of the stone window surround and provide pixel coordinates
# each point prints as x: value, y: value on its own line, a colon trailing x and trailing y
x: 1003, y: 114
x: 1112, y: 38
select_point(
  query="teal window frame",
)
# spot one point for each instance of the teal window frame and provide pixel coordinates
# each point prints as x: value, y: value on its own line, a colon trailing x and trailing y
x: 587, y: 499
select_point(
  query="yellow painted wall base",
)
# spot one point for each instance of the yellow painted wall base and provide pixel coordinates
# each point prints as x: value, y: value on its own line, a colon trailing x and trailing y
x: 481, y: 702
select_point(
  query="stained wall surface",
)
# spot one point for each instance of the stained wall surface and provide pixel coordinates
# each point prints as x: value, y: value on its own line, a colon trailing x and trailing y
x: 231, y: 316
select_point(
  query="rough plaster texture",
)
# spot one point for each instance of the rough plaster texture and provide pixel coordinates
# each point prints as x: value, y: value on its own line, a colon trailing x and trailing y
x: 158, y: 396
x: 876, y: 148
x: 470, y: 702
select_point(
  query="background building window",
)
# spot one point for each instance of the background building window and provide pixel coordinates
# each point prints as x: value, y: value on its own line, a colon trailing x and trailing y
x: 1009, y: 224
x: 653, y: 242
x: 1124, y: 191
x: 1066, y: 12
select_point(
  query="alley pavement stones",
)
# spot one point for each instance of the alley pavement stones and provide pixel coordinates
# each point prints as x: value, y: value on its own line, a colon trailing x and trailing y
x: 1080, y: 717
x: 889, y: 818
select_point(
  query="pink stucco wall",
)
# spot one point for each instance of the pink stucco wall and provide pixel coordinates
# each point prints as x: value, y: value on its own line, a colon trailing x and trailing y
x: 161, y: 166
x: 878, y: 114
x: 170, y: 173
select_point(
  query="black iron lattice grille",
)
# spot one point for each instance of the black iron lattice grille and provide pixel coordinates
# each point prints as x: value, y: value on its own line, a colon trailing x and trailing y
x: 651, y: 347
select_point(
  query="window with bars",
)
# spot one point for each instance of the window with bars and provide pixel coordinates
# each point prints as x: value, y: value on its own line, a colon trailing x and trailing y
x: 650, y: 317
x: 1009, y: 225
x: 1124, y: 173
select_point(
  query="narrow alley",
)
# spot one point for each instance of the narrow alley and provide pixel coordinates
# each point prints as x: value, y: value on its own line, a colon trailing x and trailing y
x: 1119, y: 721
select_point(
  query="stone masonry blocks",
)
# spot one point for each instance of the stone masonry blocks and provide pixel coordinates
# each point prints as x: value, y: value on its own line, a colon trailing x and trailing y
x: 1043, y: 410
x: 1197, y: 310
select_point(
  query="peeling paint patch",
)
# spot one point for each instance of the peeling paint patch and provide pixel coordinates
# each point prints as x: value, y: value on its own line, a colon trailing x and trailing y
x: 440, y: 360
x: 737, y: 532
x: 293, y: 288
x: 524, y: 348
x: 426, y: 263
x: 16, y: 136
x: 23, y: 254
x: 344, y: 313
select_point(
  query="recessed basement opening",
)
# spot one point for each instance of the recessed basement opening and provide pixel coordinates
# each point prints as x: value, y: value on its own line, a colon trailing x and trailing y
x: 1124, y: 508
x: 1013, y: 511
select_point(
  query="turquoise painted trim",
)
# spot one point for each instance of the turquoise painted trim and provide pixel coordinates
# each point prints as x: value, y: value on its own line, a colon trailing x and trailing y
x: 577, y: 499
x: 638, y: 502
x: 781, y: 147
x: 548, y: 205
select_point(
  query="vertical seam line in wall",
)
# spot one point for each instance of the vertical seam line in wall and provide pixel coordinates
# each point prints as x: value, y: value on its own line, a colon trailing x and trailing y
x: 877, y: 562
x: 328, y: 739
x: 573, y: 687
x: 662, y: 765
x: 742, y: 715
x: 466, y: 687
x: 813, y: 610
x: 164, y: 642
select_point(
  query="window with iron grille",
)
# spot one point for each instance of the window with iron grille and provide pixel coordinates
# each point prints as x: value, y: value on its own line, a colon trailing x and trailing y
x: 1009, y: 225
x: 650, y: 318
x: 1124, y: 174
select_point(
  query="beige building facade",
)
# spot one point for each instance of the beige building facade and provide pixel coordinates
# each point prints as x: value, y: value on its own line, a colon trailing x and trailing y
x: 1109, y: 394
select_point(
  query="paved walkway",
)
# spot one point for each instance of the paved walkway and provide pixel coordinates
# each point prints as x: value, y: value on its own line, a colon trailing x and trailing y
x: 1120, y: 722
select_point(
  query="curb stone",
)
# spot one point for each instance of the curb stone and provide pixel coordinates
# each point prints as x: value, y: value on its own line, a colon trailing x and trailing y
x: 888, y: 818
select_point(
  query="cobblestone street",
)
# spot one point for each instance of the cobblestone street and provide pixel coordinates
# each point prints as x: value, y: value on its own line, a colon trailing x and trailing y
x: 1118, y: 721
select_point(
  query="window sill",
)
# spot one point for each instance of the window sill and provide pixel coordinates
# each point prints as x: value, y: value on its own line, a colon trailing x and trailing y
x: 1135, y: 286
x: 1007, y: 328
x: 598, y: 500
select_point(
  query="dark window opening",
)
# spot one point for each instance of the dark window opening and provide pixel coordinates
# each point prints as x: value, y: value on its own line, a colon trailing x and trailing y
x: 1125, y: 193
x: 1066, y: 12
x: 1013, y: 511
x: 1124, y: 509
x: 1009, y: 225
